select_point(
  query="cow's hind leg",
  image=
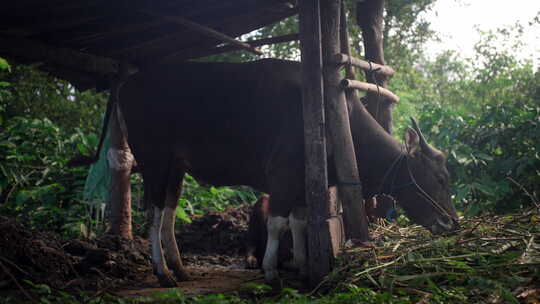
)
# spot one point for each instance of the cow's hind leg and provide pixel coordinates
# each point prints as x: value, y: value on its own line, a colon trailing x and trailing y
x: 158, y: 260
x: 172, y: 254
x: 298, y: 223
x: 156, y: 176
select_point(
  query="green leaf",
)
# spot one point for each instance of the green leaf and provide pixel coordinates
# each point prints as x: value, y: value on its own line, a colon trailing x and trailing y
x: 181, y: 214
x: 4, y: 65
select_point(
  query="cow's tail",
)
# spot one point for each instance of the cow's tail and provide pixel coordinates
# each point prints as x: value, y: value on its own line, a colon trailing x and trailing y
x: 112, y: 108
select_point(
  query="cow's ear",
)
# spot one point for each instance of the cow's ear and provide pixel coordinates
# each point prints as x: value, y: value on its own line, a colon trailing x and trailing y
x: 412, y: 141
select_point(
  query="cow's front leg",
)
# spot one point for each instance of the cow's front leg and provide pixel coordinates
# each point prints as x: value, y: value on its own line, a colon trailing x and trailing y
x: 298, y: 223
x: 275, y: 225
x: 158, y: 260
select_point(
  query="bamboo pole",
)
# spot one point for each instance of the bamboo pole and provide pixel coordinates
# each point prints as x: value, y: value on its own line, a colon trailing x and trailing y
x: 364, y: 65
x: 205, y: 31
x: 369, y: 87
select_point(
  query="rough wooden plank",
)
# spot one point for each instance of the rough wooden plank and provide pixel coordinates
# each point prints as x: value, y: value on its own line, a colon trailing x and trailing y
x: 319, y: 243
x: 199, y: 52
x: 63, y: 57
x: 369, y: 87
x: 205, y: 31
x: 338, y: 126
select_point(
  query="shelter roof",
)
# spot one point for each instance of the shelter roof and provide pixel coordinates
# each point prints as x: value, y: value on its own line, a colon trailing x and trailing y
x: 83, y: 41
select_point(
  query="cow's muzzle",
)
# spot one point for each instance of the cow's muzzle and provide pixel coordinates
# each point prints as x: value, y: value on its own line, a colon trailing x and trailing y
x: 444, y: 224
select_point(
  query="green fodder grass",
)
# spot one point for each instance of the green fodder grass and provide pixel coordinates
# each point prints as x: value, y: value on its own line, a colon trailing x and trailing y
x: 490, y: 259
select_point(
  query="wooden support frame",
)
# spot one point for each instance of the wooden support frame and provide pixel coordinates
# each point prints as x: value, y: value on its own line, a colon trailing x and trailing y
x: 204, y: 30
x: 369, y: 87
x: 367, y: 66
x: 338, y: 126
x: 316, y: 178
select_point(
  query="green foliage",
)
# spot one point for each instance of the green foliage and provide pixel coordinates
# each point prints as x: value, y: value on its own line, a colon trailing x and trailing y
x: 197, y: 199
x: 34, y: 182
x: 483, y: 116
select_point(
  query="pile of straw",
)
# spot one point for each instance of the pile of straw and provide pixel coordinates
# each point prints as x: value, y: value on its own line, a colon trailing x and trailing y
x: 491, y: 259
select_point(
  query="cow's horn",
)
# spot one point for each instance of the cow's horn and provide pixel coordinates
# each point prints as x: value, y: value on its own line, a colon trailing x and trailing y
x: 426, y: 148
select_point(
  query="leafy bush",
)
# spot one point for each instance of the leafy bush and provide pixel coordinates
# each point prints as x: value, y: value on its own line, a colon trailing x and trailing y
x: 34, y: 182
x: 485, y: 117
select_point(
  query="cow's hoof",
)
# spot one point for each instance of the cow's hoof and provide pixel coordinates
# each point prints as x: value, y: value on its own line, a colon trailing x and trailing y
x: 181, y: 275
x: 271, y: 275
x: 251, y: 262
x: 166, y: 280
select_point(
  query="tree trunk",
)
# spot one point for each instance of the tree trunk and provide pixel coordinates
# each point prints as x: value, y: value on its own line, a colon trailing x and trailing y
x: 369, y: 17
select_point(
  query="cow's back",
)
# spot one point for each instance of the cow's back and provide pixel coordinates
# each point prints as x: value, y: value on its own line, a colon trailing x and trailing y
x: 222, y: 120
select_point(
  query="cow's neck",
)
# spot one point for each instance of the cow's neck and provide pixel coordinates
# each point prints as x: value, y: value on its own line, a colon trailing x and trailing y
x: 375, y: 149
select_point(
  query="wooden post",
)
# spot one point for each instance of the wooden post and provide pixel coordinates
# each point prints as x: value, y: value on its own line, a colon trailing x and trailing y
x: 369, y: 16
x: 338, y: 127
x: 120, y: 161
x: 319, y: 243
x: 352, y: 96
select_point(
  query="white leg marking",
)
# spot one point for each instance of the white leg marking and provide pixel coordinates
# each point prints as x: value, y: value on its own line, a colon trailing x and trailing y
x: 275, y: 225
x: 298, y: 230
x: 169, y: 242
x: 120, y: 159
x: 158, y: 260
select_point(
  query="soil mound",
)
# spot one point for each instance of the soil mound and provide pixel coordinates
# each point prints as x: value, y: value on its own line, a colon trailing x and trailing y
x: 217, y: 232
x: 215, y: 240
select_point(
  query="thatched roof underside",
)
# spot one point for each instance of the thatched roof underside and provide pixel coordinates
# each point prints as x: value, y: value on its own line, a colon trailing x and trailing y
x: 83, y: 41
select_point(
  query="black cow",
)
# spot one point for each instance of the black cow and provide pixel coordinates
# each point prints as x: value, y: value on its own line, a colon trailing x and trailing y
x: 225, y: 123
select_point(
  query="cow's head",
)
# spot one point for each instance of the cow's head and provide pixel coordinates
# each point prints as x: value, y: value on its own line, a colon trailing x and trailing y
x: 424, y: 189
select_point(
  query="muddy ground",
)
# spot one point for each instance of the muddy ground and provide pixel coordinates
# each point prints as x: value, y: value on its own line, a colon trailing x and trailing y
x: 212, y: 247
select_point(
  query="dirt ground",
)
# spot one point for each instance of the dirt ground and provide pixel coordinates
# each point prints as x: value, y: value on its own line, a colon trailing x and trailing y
x: 212, y: 247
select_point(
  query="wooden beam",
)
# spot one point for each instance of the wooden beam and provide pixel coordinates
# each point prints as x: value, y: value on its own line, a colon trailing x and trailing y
x: 369, y: 87
x: 204, y: 30
x: 199, y: 52
x: 67, y: 58
x: 316, y: 178
x: 344, y: 59
x: 338, y: 126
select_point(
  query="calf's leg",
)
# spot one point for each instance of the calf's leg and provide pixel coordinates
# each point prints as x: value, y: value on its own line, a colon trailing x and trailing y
x: 256, y: 234
x: 275, y: 226
x: 172, y: 254
x: 298, y: 223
